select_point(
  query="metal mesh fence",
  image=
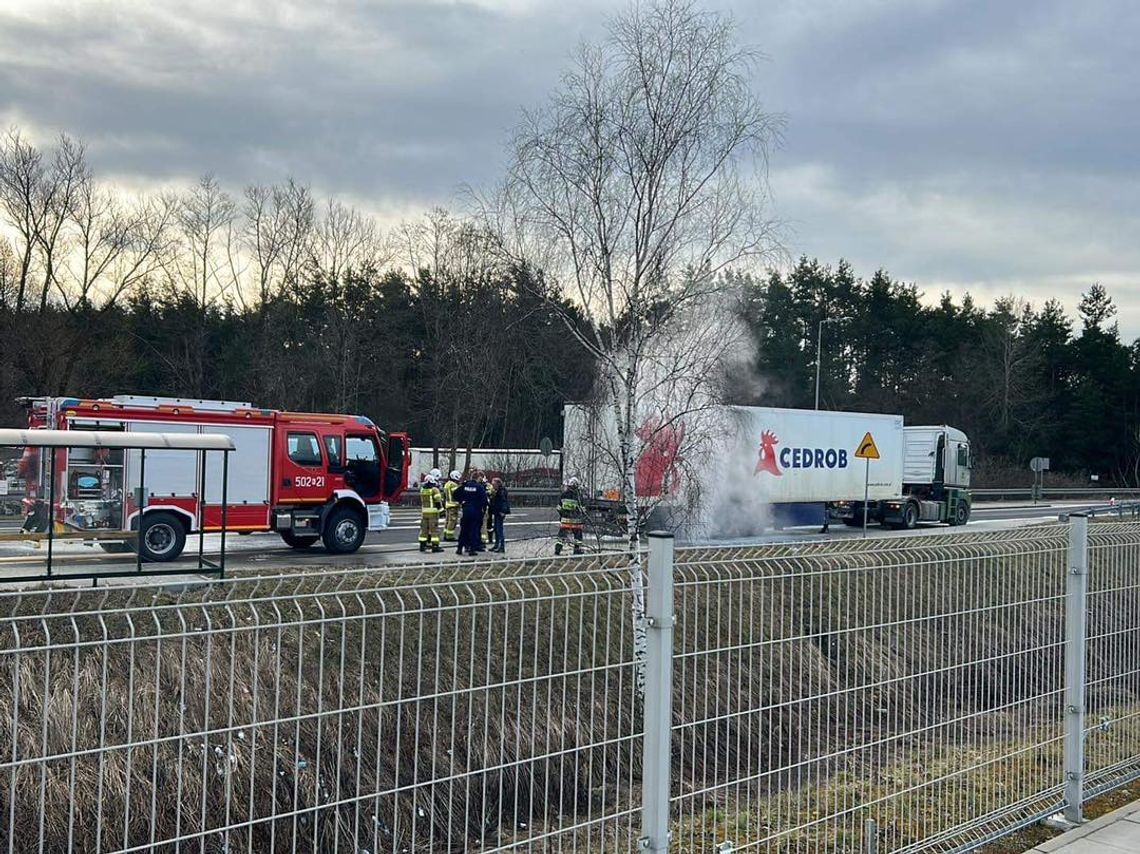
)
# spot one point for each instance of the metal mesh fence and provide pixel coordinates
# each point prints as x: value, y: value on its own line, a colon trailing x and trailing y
x: 1112, y: 724
x: 364, y: 712
x: 916, y: 683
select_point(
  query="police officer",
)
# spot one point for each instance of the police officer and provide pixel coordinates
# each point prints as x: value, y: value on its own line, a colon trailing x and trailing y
x: 431, y: 503
x: 571, y: 518
x: 451, y: 506
x: 473, y: 500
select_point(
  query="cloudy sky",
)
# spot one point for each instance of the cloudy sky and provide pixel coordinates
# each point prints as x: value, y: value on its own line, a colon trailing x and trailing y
x: 982, y: 145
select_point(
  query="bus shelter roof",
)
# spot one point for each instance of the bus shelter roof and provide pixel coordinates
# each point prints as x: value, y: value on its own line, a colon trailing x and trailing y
x: 111, y: 439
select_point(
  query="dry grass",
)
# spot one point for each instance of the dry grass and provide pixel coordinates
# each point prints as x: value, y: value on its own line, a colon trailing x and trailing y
x: 315, y: 697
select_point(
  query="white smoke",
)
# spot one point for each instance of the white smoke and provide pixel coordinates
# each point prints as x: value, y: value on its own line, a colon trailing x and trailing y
x: 732, y: 503
x: 696, y: 358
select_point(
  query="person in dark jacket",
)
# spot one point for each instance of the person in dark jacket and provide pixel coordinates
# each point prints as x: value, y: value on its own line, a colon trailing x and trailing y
x: 473, y: 501
x: 500, y: 509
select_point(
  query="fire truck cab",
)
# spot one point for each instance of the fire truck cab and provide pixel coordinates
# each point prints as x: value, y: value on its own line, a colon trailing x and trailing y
x: 306, y: 476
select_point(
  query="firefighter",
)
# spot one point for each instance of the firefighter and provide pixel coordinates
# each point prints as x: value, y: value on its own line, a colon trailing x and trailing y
x: 451, y: 505
x: 571, y: 519
x: 431, y: 503
x: 473, y: 498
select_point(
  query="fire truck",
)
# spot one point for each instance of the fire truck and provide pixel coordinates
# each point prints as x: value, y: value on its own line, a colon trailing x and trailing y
x: 306, y: 476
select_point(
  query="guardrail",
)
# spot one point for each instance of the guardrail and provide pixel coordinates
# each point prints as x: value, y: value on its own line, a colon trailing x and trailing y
x: 1122, y: 510
x: 1057, y: 492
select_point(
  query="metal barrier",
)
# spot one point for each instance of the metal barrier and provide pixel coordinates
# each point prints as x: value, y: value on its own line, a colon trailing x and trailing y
x: 366, y: 711
x: 1119, y: 510
x: 1054, y: 492
x: 890, y: 695
x: 917, y: 685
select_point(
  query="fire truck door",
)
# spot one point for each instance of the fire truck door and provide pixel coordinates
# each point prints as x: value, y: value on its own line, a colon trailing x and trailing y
x: 362, y: 464
x: 303, y: 478
x: 399, y: 460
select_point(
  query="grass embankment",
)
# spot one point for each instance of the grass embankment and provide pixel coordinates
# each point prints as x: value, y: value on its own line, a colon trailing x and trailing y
x: 827, y: 678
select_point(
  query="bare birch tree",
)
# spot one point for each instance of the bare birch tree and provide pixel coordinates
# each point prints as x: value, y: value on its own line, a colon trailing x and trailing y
x: 345, y: 238
x: 638, y: 183
x: 38, y: 197
x: 202, y: 260
x: 21, y: 174
x: 64, y: 181
x: 113, y: 246
x: 203, y: 264
x: 9, y: 272
x: 278, y: 233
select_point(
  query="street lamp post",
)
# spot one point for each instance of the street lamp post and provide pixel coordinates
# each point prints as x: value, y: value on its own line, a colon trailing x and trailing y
x: 819, y: 351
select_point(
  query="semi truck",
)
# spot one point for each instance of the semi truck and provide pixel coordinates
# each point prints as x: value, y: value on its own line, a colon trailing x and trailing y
x: 792, y: 465
x: 305, y: 476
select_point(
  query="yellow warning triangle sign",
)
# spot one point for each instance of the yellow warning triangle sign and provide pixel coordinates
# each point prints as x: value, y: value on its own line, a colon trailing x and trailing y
x: 867, y: 449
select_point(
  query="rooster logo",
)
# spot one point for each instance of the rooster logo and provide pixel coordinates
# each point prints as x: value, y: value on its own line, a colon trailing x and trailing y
x: 658, y: 467
x: 767, y: 459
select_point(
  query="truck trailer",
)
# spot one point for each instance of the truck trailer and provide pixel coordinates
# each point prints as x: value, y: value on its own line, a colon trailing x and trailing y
x: 305, y: 476
x: 835, y: 463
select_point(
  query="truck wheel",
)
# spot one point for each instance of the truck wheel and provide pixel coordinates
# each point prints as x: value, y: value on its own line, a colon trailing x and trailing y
x: 162, y: 537
x: 910, y: 516
x: 344, y: 531
x: 296, y: 542
x: 962, y: 514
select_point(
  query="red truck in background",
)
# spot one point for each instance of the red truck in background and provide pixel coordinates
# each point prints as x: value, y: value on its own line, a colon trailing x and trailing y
x: 306, y: 476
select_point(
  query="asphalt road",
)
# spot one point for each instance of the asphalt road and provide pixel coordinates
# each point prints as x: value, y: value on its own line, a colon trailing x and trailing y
x: 529, y: 532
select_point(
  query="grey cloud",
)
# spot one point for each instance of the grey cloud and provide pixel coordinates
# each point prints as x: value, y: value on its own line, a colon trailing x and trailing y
x: 916, y: 89
x: 968, y: 144
x: 405, y: 102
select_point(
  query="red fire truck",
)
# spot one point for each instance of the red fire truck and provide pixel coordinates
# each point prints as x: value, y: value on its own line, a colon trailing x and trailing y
x: 306, y: 476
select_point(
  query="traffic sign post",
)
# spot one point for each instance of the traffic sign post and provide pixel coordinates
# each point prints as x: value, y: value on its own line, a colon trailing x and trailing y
x: 866, y: 493
x: 867, y: 451
x: 1038, y: 465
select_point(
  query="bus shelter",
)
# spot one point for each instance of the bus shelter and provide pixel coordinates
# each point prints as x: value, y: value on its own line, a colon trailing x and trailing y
x: 92, y: 487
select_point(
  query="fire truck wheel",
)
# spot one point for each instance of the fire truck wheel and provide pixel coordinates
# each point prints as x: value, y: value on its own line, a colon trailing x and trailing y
x: 344, y: 530
x: 163, y: 536
x: 296, y: 542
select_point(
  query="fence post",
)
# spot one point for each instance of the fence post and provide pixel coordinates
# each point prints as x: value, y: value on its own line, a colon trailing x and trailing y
x: 658, y: 695
x: 1076, y: 601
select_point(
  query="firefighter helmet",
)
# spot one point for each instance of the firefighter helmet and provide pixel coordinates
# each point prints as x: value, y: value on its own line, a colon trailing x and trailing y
x: 435, y: 474
x: 455, y: 475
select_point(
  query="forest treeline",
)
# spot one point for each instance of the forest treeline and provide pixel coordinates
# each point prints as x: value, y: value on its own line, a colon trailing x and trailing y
x: 287, y: 300
x: 1023, y: 380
